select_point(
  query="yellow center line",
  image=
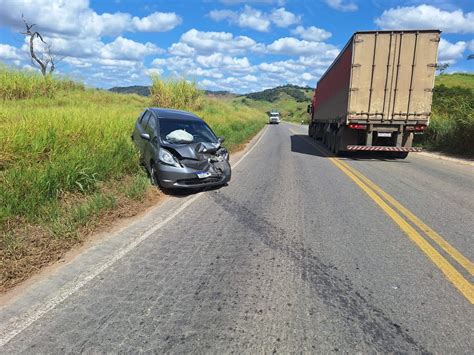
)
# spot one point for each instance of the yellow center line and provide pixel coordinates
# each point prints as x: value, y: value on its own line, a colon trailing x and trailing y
x: 449, y: 271
x: 433, y: 235
x: 454, y: 276
x: 448, y: 248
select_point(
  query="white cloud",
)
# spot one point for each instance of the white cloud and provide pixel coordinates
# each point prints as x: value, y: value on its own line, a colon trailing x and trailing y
x: 218, y: 60
x: 8, y: 52
x: 76, y: 62
x: 251, y: 78
x: 76, y: 19
x: 450, y: 52
x: 153, y: 71
x: 254, y: 19
x: 294, y: 46
x: 427, y: 17
x: 157, y: 22
x: 91, y: 48
x: 341, y: 5
x: 210, y: 42
x: 312, y: 34
x: 248, y: 17
x: 208, y: 73
x: 126, y: 49
x: 283, y: 18
x: 181, y: 50
x: 271, y: 68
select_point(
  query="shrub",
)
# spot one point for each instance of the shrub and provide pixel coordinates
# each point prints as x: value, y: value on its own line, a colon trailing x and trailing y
x: 176, y: 93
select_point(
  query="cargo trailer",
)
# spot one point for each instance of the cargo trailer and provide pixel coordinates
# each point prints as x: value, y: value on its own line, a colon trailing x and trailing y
x: 377, y: 93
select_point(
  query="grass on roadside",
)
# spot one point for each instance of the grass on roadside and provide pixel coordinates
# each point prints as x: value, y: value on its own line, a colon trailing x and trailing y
x: 68, y: 165
x: 451, y: 128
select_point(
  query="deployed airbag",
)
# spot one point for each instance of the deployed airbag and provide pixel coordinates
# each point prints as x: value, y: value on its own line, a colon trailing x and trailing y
x: 179, y: 135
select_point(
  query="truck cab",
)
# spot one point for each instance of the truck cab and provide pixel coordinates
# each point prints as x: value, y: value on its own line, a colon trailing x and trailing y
x: 273, y: 117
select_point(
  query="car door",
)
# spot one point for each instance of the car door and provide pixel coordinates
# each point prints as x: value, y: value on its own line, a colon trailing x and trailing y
x: 137, y: 128
x: 140, y: 128
x: 151, y: 146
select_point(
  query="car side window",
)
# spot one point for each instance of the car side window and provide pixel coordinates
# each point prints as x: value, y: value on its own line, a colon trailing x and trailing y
x: 145, y: 119
x: 151, y: 126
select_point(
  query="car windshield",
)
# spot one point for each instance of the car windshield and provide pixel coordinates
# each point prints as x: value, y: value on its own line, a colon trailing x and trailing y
x: 185, y: 131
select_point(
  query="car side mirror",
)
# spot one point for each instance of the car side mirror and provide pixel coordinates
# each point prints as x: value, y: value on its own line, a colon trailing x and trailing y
x: 145, y: 136
x: 308, y: 110
x: 221, y: 139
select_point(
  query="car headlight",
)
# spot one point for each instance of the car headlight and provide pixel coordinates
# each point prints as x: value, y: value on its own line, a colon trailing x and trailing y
x: 168, y: 158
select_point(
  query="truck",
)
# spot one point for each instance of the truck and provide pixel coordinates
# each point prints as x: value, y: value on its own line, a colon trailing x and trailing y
x: 377, y: 93
x: 273, y: 117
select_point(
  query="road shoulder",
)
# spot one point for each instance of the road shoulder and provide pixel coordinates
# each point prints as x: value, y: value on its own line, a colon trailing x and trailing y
x: 441, y: 156
x: 80, y: 260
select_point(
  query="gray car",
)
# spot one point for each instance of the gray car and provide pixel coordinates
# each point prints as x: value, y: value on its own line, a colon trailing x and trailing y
x: 179, y: 150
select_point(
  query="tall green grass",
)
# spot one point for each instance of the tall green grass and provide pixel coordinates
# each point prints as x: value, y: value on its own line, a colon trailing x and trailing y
x: 68, y: 144
x: 21, y: 84
x: 177, y: 93
x: 451, y: 128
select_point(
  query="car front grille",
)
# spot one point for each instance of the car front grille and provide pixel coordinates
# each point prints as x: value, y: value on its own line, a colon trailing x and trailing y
x: 195, y: 164
x: 198, y: 181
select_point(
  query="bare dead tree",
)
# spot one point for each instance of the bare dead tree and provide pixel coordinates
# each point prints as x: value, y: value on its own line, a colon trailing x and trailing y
x: 47, y: 59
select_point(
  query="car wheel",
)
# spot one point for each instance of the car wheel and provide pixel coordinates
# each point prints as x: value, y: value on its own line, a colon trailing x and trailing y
x: 153, y: 177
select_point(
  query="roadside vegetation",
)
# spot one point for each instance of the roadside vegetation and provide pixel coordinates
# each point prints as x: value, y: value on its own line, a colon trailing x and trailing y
x: 290, y: 100
x: 68, y: 165
x: 451, y: 129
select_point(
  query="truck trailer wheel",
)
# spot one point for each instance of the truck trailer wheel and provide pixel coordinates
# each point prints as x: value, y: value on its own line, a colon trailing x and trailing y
x: 401, y: 155
x: 332, y: 146
x: 337, y: 146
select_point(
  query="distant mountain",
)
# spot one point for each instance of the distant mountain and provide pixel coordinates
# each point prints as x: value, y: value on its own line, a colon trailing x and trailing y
x: 299, y: 93
x: 145, y: 91
x: 135, y: 89
x: 218, y: 93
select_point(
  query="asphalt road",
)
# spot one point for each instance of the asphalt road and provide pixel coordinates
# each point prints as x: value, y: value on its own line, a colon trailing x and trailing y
x: 293, y: 256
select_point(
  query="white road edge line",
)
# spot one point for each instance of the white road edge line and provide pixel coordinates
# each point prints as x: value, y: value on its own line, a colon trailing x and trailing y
x: 18, y: 324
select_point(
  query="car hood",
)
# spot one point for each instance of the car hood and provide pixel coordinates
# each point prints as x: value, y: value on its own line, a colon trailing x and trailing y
x: 197, y: 151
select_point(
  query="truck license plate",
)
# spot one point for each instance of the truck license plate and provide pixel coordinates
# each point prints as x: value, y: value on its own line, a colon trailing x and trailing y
x: 384, y: 134
x: 203, y: 174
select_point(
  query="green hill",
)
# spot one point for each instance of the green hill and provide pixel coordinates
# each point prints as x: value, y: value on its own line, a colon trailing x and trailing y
x: 135, y: 89
x: 145, y: 91
x: 290, y: 100
x: 463, y: 80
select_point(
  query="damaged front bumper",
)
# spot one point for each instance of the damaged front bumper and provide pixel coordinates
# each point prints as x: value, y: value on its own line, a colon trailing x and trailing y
x: 198, y: 175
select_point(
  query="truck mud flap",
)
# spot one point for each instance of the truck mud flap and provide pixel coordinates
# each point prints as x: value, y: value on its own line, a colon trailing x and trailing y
x: 382, y: 148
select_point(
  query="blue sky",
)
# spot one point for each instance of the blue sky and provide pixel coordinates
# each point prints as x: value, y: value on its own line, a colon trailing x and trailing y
x: 234, y: 45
